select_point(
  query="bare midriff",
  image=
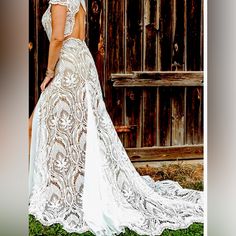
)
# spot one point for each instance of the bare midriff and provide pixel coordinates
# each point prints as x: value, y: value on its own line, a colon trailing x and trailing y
x: 79, y: 26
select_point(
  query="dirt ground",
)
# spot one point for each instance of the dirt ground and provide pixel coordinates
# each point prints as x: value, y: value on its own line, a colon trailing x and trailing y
x: 188, y: 175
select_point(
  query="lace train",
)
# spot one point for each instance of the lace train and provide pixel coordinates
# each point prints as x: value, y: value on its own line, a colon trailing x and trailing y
x: 80, y: 175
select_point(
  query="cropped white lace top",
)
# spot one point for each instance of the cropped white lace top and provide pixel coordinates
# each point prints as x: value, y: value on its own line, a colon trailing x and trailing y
x: 73, y: 8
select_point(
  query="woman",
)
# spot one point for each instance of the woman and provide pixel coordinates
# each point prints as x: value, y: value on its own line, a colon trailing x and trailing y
x: 80, y: 175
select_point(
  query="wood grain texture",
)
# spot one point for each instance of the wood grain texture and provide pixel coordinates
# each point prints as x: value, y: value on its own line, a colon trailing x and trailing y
x: 193, y: 34
x: 166, y: 34
x: 185, y: 152
x: 117, y: 111
x: 133, y: 100
x: 159, y: 75
x: 194, y: 116
x: 150, y: 34
x: 165, y: 116
x: 149, y: 117
x: 134, y: 35
x: 177, y: 117
x: 160, y: 78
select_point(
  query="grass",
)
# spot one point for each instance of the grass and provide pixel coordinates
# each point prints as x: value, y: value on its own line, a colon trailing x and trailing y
x: 188, y: 176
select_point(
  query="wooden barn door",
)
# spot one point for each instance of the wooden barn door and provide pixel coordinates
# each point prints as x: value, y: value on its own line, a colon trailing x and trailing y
x: 149, y: 57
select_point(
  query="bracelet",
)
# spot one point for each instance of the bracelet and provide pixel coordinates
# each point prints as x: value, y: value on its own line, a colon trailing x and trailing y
x: 50, y: 73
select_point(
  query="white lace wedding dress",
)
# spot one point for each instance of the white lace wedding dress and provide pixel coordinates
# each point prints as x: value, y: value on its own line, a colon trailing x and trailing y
x: 80, y: 175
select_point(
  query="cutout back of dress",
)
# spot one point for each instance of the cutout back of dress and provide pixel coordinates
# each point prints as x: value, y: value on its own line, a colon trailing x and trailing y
x: 79, y: 30
x: 75, y: 20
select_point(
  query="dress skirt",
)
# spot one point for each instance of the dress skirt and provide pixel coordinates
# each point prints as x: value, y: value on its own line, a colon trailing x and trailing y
x: 80, y: 174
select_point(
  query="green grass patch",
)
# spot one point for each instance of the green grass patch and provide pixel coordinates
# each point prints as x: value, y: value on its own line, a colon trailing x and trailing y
x: 37, y: 229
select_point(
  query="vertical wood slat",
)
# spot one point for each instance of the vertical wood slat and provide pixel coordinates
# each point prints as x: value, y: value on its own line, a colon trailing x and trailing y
x: 158, y: 48
x: 95, y: 27
x: 177, y: 115
x: 117, y: 112
x: 193, y: 34
x: 149, y: 117
x: 178, y: 35
x: 158, y: 128
x: 115, y: 57
x: 115, y: 36
x: 41, y: 45
x: 105, y: 36
x: 201, y: 35
x: 133, y: 62
x: 185, y: 35
x: 185, y: 68
x: 125, y: 119
x: 165, y: 118
x: 178, y: 122
x: 142, y: 67
x: 36, y: 59
x: 140, y: 131
x: 165, y: 35
x: 165, y: 42
x: 173, y: 28
x: 115, y: 60
x: 134, y: 35
x: 32, y: 64
x: 133, y: 98
x: 194, y: 108
x: 94, y: 12
x: 194, y: 115
x: 150, y: 31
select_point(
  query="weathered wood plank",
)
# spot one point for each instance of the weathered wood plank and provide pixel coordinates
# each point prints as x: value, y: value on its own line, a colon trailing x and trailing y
x: 185, y: 152
x: 43, y: 43
x: 156, y: 83
x: 193, y: 34
x: 158, y: 75
x: 158, y: 78
x: 165, y: 115
x: 194, y: 116
x: 150, y: 34
x: 166, y: 34
x: 202, y: 35
x: 134, y: 35
x: 94, y: 11
x: 178, y: 119
x: 33, y: 64
x: 133, y: 100
x: 115, y: 53
x: 114, y: 58
x: 178, y: 35
x: 117, y: 111
x: 149, y: 117
x: 95, y: 36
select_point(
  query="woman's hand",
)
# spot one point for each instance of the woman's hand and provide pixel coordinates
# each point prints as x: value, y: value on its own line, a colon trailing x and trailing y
x: 45, y: 83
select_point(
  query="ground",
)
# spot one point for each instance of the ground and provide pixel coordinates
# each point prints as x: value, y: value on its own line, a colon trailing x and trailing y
x: 188, y: 176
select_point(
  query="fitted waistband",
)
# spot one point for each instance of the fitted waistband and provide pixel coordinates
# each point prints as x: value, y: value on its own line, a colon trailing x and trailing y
x: 73, y: 42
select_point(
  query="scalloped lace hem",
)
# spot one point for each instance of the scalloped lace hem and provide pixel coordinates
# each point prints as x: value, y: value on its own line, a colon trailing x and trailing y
x: 85, y: 229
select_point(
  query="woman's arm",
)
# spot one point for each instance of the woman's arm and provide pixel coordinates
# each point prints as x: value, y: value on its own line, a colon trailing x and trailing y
x: 58, y: 15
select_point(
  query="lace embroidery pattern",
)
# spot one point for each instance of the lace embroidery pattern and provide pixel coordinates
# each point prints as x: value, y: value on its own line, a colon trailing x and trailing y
x: 73, y: 8
x: 59, y: 168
